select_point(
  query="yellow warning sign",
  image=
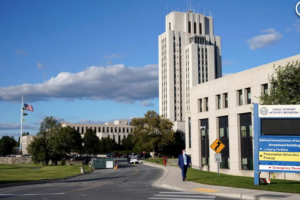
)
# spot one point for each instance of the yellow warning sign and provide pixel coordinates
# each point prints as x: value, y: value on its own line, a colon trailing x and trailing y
x: 279, y: 156
x: 217, y: 146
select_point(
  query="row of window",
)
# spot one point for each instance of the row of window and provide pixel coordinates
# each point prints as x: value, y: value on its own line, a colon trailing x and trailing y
x: 105, y: 129
x: 195, y: 28
x: 223, y: 135
x: 222, y: 99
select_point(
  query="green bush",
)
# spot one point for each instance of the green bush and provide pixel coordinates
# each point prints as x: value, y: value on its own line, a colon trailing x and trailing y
x: 63, y: 162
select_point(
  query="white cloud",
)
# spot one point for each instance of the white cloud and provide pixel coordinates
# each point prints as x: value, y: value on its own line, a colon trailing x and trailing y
x: 11, y: 126
x: 40, y: 66
x: 297, y: 25
x: 228, y: 62
x: 20, y: 52
x: 117, y: 83
x: 147, y: 103
x: 270, y: 37
x: 112, y: 56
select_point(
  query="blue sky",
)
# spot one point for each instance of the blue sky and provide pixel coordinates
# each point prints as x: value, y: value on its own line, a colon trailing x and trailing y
x: 96, y: 61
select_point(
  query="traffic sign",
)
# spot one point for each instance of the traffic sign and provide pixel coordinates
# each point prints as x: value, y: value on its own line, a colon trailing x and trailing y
x: 217, y: 146
x: 218, y: 157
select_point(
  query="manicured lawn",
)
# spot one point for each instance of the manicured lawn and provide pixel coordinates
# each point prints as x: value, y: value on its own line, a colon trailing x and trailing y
x: 14, y: 173
x: 212, y: 178
x: 154, y: 160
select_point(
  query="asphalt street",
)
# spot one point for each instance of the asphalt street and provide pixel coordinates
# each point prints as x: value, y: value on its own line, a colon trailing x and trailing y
x: 128, y: 182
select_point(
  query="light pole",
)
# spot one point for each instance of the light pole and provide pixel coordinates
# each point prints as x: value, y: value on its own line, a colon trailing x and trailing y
x: 82, y: 153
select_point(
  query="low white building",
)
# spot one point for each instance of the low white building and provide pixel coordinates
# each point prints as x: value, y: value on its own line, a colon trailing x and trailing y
x: 117, y: 130
x: 25, y: 141
x: 222, y: 108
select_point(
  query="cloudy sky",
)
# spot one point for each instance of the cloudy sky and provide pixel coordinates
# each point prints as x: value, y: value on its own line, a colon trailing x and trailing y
x: 96, y: 61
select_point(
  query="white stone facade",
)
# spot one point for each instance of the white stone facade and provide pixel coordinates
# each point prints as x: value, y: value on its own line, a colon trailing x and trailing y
x: 117, y: 130
x: 189, y: 54
x: 239, y: 102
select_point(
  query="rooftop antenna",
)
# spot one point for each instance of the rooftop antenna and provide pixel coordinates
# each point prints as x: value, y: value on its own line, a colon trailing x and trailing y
x: 210, y: 14
x: 197, y: 8
x: 187, y: 7
x: 190, y: 5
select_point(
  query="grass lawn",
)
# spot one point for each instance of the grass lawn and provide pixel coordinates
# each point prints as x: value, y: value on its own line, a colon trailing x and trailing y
x: 14, y: 173
x: 212, y: 178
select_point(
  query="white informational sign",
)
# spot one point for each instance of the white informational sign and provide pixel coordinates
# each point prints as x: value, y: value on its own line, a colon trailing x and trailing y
x: 218, y: 157
x: 279, y: 168
x: 109, y: 164
x: 279, y: 110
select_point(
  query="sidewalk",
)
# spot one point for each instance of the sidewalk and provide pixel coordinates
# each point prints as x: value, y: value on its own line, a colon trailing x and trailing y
x: 172, y: 180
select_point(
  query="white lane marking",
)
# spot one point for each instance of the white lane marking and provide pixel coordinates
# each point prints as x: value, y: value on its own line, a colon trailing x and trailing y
x: 31, y: 194
x: 178, y: 193
x: 174, y: 198
x: 161, y: 195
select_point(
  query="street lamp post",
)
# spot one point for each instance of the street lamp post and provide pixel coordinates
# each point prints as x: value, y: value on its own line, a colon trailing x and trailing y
x: 82, y: 153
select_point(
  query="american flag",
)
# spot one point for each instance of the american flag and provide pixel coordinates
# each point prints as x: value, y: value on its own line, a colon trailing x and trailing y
x: 28, y: 107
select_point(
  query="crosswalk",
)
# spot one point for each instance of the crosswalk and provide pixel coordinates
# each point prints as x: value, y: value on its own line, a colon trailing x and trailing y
x: 181, y: 196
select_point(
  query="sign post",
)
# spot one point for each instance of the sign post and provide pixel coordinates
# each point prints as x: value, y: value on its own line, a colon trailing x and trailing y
x: 144, y: 154
x: 217, y: 146
x: 276, y: 139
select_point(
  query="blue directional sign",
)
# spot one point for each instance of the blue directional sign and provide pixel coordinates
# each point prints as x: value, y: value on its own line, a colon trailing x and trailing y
x: 276, y: 139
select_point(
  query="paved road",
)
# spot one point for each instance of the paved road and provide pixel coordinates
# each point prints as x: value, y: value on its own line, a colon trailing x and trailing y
x: 128, y: 182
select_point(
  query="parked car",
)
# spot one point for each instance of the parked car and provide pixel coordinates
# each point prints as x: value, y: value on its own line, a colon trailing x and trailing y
x: 109, y: 155
x: 125, y: 155
x: 26, y: 155
x: 135, y: 159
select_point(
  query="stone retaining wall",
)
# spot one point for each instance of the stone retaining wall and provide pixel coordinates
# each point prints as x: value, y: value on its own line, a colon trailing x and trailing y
x: 14, y: 160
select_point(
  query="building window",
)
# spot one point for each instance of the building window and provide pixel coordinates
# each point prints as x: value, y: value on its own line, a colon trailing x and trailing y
x: 124, y: 136
x: 119, y: 139
x: 108, y: 136
x: 218, y: 101
x: 200, y: 28
x: 111, y: 129
x: 265, y: 88
x: 225, y: 95
x: 224, y: 137
x: 103, y: 129
x: 130, y: 129
x: 204, y: 130
x: 206, y: 104
x: 107, y: 129
x: 190, y: 137
x: 200, y: 105
x: 95, y: 129
x: 246, y: 141
x: 114, y: 137
x: 116, y: 129
x: 127, y: 130
x: 240, y: 97
x: 82, y: 130
x: 248, y: 92
x: 99, y: 129
x: 119, y: 129
x: 169, y: 26
x: 123, y: 130
x: 189, y: 27
x: 195, y: 27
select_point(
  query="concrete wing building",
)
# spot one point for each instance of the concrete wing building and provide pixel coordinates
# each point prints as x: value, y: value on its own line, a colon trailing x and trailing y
x: 117, y: 130
x: 189, y: 55
x: 222, y: 109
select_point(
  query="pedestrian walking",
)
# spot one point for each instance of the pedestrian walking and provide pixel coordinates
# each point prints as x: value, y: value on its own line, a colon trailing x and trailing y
x: 165, y: 159
x: 184, y: 161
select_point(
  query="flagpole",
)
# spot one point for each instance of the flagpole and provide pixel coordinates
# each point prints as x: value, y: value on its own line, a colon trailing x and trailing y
x: 21, y: 125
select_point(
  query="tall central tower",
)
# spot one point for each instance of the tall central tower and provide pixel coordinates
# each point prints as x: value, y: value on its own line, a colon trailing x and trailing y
x: 189, y: 54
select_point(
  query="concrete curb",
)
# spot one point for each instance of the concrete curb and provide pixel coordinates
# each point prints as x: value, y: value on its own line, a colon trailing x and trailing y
x: 40, y: 181
x: 227, y: 195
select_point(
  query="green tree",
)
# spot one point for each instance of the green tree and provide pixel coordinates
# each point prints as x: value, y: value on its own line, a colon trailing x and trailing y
x: 6, y: 145
x: 175, y: 148
x: 24, y: 134
x: 151, y: 132
x: 48, y: 145
x: 91, y: 142
x: 285, y: 86
x: 127, y: 143
x: 70, y: 140
x: 107, y: 145
x: 37, y: 149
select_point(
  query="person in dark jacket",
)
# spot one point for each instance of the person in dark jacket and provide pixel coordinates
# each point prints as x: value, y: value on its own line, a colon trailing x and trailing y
x: 184, y: 162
